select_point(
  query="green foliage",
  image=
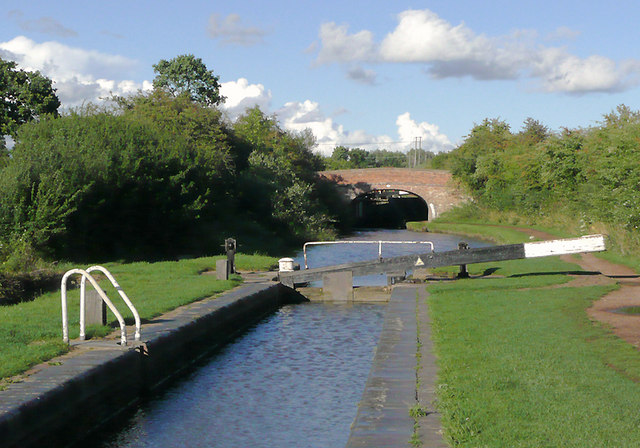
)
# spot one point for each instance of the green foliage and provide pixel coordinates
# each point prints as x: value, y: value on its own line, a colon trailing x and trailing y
x: 280, y: 180
x: 591, y: 176
x: 188, y: 75
x: 127, y: 185
x: 159, y: 176
x: 442, y: 161
x: 478, y: 160
x: 24, y: 96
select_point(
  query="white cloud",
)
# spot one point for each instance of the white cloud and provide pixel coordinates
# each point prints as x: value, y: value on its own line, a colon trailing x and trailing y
x: 79, y: 75
x: 298, y: 116
x: 563, y: 72
x: 338, y: 46
x: 423, y: 36
x: 241, y: 95
x: 232, y: 31
x: 431, y: 137
x: 447, y: 50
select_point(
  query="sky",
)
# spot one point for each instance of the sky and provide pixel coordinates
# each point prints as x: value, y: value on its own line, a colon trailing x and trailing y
x: 369, y: 74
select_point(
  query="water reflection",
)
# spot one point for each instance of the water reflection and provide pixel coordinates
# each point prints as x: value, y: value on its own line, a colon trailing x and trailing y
x: 293, y: 380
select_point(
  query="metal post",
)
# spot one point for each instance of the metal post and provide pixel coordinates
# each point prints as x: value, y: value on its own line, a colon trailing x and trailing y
x: 230, y: 248
x: 463, y: 267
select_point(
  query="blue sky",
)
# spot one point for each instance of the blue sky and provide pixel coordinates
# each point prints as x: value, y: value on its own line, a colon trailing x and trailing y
x: 372, y: 74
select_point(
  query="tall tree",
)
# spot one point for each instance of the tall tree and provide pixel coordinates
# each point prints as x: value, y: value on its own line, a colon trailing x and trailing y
x: 24, y: 96
x: 188, y: 75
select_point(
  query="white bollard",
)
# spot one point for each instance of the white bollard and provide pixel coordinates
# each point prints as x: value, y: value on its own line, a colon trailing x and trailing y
x: 285, y: 264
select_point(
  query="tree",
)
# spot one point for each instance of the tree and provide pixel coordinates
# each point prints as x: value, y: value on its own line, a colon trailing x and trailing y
x: 24, y: 96
x: 188, y: 75
x: 489, y: 137
x: 534, y: 131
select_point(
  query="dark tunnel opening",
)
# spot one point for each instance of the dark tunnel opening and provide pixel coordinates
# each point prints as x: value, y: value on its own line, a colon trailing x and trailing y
x: 388, y: 209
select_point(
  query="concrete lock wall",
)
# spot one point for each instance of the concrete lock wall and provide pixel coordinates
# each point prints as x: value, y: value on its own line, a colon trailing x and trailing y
x: 70, y: 401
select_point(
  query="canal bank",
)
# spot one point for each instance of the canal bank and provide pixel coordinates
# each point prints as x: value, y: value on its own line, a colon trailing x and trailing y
x: 75, y: 394
x: 72, y: 395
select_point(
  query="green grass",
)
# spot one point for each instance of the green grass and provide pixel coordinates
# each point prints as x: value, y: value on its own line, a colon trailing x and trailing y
x: 522, y: 365
x: 493, y: 233
x: 527, y: 368
x: 31, y: 332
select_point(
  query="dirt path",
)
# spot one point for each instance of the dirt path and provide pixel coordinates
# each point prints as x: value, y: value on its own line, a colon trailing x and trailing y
x: 601, y: 272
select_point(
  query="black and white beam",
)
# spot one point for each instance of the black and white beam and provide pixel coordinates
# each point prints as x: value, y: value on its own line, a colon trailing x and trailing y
x: 589, y: 243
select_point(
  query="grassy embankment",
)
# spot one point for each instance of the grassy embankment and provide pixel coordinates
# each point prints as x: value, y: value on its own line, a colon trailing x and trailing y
x: 522, y: 365
x: 31, y: 332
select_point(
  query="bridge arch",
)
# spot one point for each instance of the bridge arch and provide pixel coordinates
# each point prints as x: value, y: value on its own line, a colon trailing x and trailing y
x: 435, y: 187
x: 388, y: 208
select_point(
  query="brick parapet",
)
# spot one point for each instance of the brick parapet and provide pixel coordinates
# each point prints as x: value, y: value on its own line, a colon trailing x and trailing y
x: 436, y: 187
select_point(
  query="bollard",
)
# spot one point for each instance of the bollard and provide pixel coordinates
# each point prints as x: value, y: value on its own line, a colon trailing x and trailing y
x: 285, y: 264
x: 463, y: 267
x: 95, y: 309
x: 222, y: 270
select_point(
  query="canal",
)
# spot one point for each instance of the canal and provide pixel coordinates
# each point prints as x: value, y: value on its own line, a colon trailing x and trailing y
x: 295, y: 379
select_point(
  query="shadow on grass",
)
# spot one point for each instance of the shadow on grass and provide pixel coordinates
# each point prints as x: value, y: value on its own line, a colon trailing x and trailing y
x: 537, y: 274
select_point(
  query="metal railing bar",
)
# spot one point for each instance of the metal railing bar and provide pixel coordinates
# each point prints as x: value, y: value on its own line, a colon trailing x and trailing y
x: 118, y: 288
x: 101, y: 293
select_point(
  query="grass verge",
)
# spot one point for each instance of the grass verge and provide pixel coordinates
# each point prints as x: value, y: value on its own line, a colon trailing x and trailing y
x: 31, y: 332
x: 522, y: 365
x: 527, y: 368
x: 493, y: 233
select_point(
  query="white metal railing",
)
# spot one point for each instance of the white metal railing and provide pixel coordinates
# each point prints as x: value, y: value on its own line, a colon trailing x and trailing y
x: 86, y: 275
x: 379, y: 243
x: 118, y: 288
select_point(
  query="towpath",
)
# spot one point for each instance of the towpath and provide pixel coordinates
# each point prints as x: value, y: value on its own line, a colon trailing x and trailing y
x: 601, y: 272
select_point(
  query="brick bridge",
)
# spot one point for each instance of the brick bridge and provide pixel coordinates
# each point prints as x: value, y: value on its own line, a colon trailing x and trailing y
x: 434, y: 186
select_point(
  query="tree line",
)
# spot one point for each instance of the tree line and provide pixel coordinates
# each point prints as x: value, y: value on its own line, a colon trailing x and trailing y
x: 343, y: 158
x: 157, y: 175
x: 586, y: 179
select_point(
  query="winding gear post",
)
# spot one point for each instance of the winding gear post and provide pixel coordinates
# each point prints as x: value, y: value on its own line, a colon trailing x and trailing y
x: 230, y: 249
x: 463, y: 267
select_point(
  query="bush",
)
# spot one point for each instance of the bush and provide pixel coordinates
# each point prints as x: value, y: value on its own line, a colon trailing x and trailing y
x: 584, y: 178
x: 157, y: 177
x: 110, y: 185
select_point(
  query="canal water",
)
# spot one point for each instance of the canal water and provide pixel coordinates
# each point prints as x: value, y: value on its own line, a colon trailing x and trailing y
x: 366, y: 249
x: 293, y: 380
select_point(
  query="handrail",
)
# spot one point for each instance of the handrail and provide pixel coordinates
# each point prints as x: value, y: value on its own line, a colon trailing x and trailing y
x: 120, y: 291
x: 103, y: 295
x: 379, y: 243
